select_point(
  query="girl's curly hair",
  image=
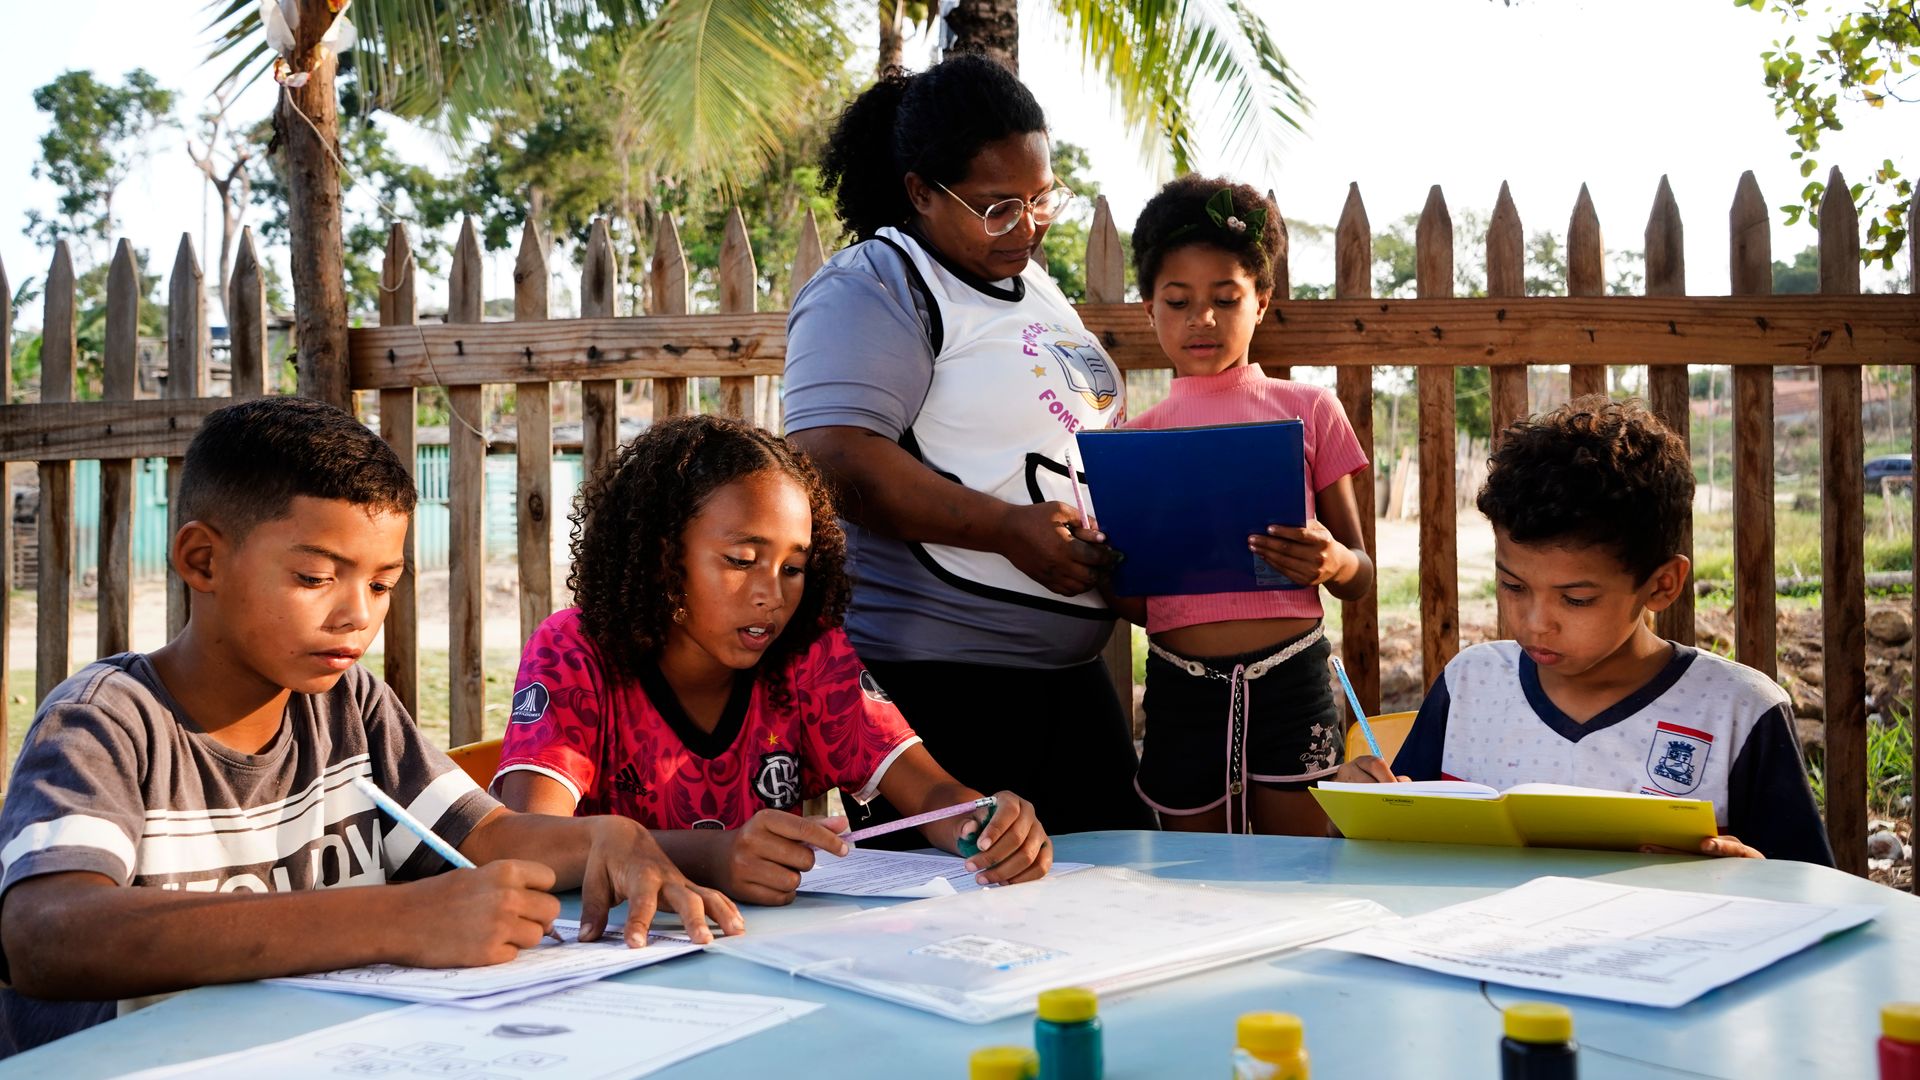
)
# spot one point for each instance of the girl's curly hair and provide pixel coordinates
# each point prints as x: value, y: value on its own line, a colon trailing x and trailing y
x: 628, y: 541
x: 1176, y: 217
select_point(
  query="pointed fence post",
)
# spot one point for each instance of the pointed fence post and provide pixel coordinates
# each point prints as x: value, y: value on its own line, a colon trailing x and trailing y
x: 1668, y: 392
x: 186, y: 378
x: 466, y: 512
x: 1439, y: 547
x: 1359, y: 619
x: 533, y: 444
x: 1586, y: 276
x: 599, y: 398
x: 669, y: 277
x: 1107, y: 284
x: 114, y: 625
x: 402, y: 634
x: 1750, y: 273
x: 1913, y: 394
x: 739, y: 282
x: 1282, y: 275
x: 247, y: 320
x: 55, y: 586
x: 808, y: 258
x: 1843, y: 585
x: 1506, y: 276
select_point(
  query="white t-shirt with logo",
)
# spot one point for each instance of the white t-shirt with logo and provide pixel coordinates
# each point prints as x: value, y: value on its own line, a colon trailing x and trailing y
x: 1703, y: 728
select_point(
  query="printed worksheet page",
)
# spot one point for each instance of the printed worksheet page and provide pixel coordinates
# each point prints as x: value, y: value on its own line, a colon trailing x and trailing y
x: 1593, y: 939
x: 910, y: 875
x: 542, y: 969
x: 602, y: 1032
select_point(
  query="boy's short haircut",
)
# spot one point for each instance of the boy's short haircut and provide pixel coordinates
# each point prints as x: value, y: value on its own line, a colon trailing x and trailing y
x: 250, y: 459
x: 1593, y: 472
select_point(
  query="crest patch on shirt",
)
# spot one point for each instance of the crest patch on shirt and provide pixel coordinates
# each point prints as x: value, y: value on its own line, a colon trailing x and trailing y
x: 870, y: 686
x: 778, y: 781
x: 1677, y: 760
x: 530, y: 703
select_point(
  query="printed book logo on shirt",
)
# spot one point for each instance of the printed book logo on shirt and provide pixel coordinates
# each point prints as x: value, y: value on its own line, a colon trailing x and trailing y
x: 529, y: 703
x: 1677, y: 760
x: 1087, y: 370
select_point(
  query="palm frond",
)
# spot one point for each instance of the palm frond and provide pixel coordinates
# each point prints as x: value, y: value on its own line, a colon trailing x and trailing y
x: 1155, y: 54
x: 711, y: 82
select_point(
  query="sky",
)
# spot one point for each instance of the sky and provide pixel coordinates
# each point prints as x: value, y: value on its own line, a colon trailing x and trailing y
x: 1544, y: 95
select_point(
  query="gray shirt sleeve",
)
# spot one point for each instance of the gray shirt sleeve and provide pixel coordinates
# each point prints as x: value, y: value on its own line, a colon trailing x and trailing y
x: 858, y: 351
x: 75, y: 802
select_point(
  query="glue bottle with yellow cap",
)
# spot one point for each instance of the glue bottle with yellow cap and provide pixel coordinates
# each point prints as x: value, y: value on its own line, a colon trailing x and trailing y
x: 1067, y: 1035
x: 1900, y: 1041
x: 1003, y: 1063
x: 1272, y: 1046
x: 1538, y: 1044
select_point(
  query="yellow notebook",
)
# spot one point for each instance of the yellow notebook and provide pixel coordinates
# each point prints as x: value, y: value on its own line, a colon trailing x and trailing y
x: 1526, y: 815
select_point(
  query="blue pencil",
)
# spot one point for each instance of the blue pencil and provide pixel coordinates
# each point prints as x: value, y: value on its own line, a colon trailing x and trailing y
x: 1359, y: 714
x: 413, y: 824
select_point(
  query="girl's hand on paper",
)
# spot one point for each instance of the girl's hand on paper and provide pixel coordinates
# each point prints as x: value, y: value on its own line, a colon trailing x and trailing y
x: 763, y: 860
x: 1366, y: 769
x: 625, y: 863
x: 1043, y: 542
x: 1307, y: 556
x: 1724, y: 847
x: 485, y: 916
x: 1013, y: 845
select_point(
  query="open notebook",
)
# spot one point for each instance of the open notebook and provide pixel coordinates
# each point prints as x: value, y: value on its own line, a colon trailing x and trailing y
x: 1526, y: 815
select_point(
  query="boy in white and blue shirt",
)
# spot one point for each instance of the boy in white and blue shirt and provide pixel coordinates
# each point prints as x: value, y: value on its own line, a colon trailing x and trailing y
x: 1587, y: 503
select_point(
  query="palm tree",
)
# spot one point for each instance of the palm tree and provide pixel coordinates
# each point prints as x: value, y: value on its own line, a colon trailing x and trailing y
x: 1155, y: 55
x: 710, y: 81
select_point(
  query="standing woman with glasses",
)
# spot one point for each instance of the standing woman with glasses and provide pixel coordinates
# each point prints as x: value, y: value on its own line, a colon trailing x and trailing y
x: 937, y: 375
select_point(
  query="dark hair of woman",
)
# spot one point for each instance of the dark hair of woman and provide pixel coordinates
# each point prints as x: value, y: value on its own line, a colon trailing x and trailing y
x: 1177, y: 217
x: 629, y: 527
x: 931, y: 123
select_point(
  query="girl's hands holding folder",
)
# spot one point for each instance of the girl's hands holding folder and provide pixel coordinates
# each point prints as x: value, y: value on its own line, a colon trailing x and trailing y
x: 1308, y: 555
x: 762, y: 861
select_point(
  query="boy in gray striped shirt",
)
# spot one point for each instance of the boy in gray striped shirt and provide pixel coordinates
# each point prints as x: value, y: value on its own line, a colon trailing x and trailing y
x: 188, y: 816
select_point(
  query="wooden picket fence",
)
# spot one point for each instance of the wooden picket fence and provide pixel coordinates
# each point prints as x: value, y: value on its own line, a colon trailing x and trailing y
x: 1837, y: 331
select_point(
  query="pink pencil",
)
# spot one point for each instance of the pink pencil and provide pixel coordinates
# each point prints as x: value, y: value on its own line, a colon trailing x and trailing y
x: 918, y: 819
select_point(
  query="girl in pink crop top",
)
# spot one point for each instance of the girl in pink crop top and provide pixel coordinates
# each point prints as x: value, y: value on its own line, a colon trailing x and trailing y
x: 1239, y: 712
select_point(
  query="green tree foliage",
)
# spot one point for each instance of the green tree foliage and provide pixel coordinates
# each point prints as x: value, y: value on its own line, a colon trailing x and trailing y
x: 96, y: 137
x: 1869, y: 55
x: 375, y: 179
x: 1065, y: 245
x: 1802, y: 277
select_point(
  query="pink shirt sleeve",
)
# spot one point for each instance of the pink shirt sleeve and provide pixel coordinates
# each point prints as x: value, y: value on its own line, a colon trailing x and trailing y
x: 853, y: 729
x: 559, y: 704
x: 1336, y: 449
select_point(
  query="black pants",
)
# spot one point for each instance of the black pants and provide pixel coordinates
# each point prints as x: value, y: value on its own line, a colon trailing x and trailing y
x: 1053, y: 736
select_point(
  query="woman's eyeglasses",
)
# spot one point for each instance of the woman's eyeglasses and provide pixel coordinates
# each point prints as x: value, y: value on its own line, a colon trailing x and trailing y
x: 1002, y: 217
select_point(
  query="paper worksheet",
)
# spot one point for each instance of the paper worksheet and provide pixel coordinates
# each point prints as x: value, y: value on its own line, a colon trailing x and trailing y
x: 1594, y: 939
x: 543, y: 969
x: 910, y: 875
x: 984, y: 955
x: 603, y: 1032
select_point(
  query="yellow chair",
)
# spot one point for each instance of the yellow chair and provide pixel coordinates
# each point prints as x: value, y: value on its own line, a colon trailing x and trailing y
x: 1390, y: 728
x: 479, y: 760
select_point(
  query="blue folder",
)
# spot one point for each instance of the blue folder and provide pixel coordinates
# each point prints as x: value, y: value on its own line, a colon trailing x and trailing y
x: 1181, y: 502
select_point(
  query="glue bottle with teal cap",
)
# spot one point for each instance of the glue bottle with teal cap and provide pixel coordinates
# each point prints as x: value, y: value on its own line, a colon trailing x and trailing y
x: 1900, y: 1041
x: 1538, y: 1044
x: 1067, y: 1034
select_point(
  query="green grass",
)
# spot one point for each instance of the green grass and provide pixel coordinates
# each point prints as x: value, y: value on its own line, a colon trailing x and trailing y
x: 1889, y: 764
x: 1796, y: 543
